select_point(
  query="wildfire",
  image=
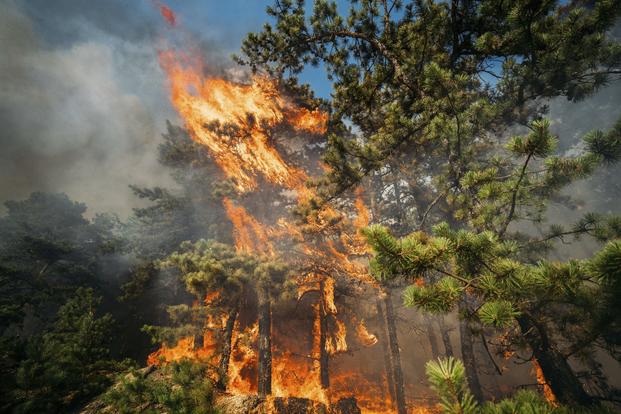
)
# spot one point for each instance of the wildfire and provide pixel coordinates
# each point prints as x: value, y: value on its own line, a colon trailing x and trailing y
x: 314, y: 121
x: 233, y: 120
x: 242, y: 367
x: 236, y: 123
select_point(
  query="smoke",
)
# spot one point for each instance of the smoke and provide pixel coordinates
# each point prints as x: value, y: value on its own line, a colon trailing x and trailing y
x: 81, y: 106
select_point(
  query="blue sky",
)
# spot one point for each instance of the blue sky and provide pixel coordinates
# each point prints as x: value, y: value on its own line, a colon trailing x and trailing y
x: 227, y: 23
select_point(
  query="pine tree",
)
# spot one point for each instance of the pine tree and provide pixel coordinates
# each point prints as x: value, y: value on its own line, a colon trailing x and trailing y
x: 424, y: 96
x: 214, y: 270
x: 68, y: 363
x: 448, y: 379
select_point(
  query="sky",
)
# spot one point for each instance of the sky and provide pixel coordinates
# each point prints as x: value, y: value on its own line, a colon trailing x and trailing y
x: 83, y: 101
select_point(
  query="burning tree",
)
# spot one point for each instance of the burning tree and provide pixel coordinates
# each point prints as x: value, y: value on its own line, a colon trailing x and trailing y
x: 243, y: 127
x: 420, y: 108
x: 221, y: 280
x: 425, y: 95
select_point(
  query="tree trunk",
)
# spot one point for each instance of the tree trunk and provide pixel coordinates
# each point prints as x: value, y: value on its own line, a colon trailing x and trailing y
x: 199, y: 340
x: 467, y: 353
x: 323, y: 335
x: 386, y: 351
x: 265, y: 342
x: 446, y: 337
x: 395, y: 357
x: 557, y: 372
x: 433, y: 343
x: 227, y: 346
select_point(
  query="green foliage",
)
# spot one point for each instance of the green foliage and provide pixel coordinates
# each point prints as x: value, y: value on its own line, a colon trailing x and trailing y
x: 607, y: 146
x: 606, y: 265
x: 499, y: 314
x: 539, y: 143
x: 209, y: 267
x: 48, y: 249
x: 55, y: 348
x: 527, y: 402
x: 68, y: 363
x: 179, y: 387
x: 448, y: 379
x: 439, y: 297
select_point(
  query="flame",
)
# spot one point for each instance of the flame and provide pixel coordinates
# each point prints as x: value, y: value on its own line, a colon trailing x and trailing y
x: 166, y: 13
x: 183, y: 349
x: 541, y: 380
x: 242, y: 366
x: 367, y: 338
x: 236, y: 122
x: 337, y: 343
x: 328, y: 296
x: 233, y: 120
x: 250, y: 236
x: 314, y: 121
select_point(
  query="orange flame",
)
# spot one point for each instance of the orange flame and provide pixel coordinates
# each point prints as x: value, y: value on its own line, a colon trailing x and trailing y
x: 367, y: 338
x: 541, y: 380
x: 233, y: 120
x: 166, y: 13
x: 250, y: 236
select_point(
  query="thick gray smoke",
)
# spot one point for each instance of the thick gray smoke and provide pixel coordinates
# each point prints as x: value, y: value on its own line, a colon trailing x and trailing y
x: 82, y: 102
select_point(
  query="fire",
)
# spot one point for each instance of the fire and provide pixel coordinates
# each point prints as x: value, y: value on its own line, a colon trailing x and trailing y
x: 183, y: 349
x: 367, y: 338
x: 233, y: 120
x: 328, y: 296
x: 166, y: 13
x: 243, y: 361
x: 236, y: 123
x: 338, y: 343
x: 541, y: 380
x: 250, y: 236
x: 314, y: 121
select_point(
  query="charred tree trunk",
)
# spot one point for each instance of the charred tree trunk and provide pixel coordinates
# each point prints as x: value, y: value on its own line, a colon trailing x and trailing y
x: 395, y: 357
x: 323, y: 335
x: 467, y: 354
x: 446, y: 337
x: 227, y: 346
x: 384, y: 340
x: 265, y: 342
x: 557, y: 372
x: 199, y: 340
x: 433, y: 343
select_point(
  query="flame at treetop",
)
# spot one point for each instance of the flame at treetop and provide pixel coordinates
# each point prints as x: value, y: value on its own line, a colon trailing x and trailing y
x: 232, y: 120
x: 235, y: 121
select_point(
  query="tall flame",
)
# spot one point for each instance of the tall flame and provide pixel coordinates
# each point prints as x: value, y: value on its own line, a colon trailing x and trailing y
x: 235, y: 122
